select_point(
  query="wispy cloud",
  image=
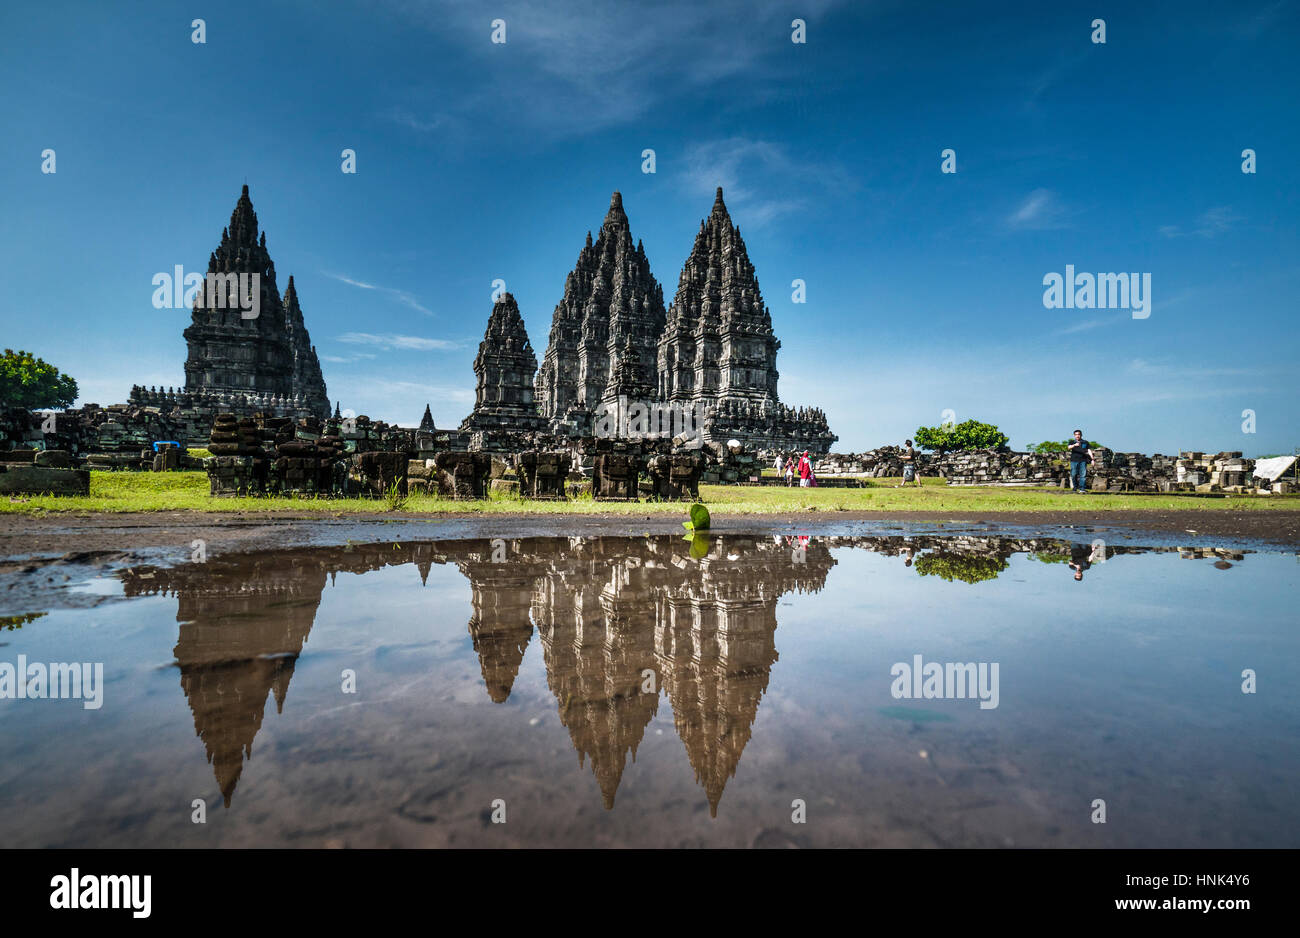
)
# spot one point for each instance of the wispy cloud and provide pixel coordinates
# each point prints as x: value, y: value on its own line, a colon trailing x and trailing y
x: 1041, y: 82
x: 748, y: 170
x: 573, y: 69
x: 1041, y: 210
x: 401, y: 296
x: 390, y: 341
x: 1209, y: 224
x: 1087, y: 325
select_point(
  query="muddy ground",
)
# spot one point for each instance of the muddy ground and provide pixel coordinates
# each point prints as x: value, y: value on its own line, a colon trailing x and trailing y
x: 53, y: 536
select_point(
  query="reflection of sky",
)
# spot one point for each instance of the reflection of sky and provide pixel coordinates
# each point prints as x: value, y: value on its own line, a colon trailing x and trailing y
x: 1136, y: 624
x: 1125, y: 685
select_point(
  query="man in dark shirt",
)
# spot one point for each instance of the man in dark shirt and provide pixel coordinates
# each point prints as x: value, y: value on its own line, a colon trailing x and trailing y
x: 909, y: 464
x: 1080, y: 458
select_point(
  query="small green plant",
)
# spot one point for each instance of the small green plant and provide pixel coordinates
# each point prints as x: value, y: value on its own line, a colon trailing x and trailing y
x: 394, y: 498
x: 699, y: 518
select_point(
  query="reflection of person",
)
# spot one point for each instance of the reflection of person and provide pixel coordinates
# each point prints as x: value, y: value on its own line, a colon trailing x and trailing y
x: 1080, y: 559
x: 1080, y: 458
x: 909, y: 553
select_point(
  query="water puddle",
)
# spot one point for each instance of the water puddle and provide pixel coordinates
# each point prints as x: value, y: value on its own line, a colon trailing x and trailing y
x: 661, y: 691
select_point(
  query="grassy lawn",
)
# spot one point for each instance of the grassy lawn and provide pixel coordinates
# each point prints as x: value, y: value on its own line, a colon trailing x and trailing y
x: 150, y: 491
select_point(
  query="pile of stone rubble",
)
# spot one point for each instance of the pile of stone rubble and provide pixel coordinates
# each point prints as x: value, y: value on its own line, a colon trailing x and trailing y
x: 1225, y: 472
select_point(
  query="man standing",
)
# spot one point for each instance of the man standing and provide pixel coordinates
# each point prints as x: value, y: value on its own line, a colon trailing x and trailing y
x: 805, y: 471
x: 909, y: 464
x: 1080, y: 458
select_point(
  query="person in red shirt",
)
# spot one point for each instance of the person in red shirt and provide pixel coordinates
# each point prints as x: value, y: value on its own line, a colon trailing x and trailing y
x: 805, y: 471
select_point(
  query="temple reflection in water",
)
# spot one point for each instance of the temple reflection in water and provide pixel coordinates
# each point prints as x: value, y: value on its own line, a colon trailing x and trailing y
x: 620, y: 621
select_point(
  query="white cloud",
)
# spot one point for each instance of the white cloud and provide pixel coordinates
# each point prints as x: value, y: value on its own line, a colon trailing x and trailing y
x: 1041, y: 210
x: 1210, y: 223
x: 390, y: 341
x: 571, y: 69
x: 745, y: 168
x: 401, y: 296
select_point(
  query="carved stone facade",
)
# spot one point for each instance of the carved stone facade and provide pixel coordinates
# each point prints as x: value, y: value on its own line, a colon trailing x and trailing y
x: 504, y: 366
x: 713, y: 349
x: 269, y: 353
x: 604, y: 330
x: 718, y: 343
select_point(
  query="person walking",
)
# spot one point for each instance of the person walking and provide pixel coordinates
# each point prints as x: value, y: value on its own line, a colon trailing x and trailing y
x: 1080, y: 459
x: 805, y: 471
x: 789, y: 471
x: 909, y: 464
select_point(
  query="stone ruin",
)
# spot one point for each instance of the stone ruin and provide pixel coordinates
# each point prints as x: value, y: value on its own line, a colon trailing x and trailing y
x: 1225, y: 472
x: 269, y: 455
x: 543, y: 474
x: 617, y: 470
x: 503, y: 371
x: 604, y: 330
x: 269, y: 354
x: 714, y: 347
x: 244, y: 366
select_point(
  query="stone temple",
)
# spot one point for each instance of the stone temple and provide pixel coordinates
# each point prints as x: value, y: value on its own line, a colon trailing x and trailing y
x: 713, y: 350
x: 718, y: 348
x: 504, y: 366
x: 604, y: 329
x: 266, y: 363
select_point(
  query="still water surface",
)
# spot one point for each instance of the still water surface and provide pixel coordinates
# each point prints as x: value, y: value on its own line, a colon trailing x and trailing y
x: 655, y: 691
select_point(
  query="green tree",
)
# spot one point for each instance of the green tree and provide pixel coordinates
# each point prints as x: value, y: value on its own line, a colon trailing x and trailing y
x: 26, y: 381
x: 970, y: 434
x: 1052, y: 447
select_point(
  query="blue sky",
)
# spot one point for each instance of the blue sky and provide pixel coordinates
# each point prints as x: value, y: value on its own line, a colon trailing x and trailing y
x: 479, y: 161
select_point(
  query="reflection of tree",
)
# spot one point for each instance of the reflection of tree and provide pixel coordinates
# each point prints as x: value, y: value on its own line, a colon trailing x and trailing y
x: 1051, y: 556
x: 9, y: 623
x: 969, y: 568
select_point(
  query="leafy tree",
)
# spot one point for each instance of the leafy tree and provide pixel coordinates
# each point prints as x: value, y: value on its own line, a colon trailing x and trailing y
x: 970, y: 434
x: 1052, y: 447
x: 26, y: 381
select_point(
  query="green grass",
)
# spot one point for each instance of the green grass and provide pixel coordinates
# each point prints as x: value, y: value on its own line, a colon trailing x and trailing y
x: 171, y: 491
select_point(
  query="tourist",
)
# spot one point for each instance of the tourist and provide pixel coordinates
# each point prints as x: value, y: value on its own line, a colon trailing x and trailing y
x: 789, y: 470
x: 909, y: 464
x: 805, y: 471
x: 1080, y: 458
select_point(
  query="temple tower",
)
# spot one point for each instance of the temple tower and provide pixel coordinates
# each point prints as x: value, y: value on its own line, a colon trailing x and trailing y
x: 718, y: 343
x: 230, y: 351
x: 504, y: 366
x: 605, y: 328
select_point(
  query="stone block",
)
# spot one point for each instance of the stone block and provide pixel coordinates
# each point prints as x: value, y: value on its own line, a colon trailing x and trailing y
x: 22, y: 479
